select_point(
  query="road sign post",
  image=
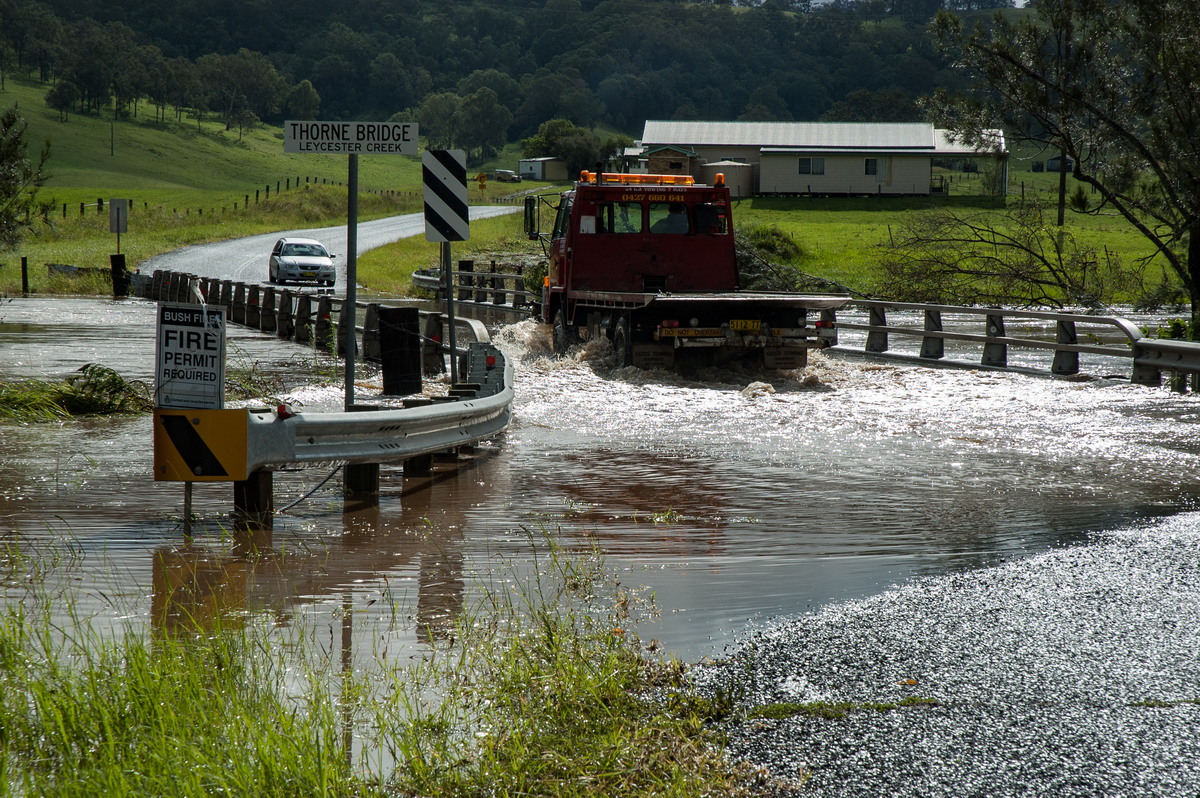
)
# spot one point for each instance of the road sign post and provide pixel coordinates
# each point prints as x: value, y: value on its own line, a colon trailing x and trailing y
x: 118, y: 218
x: 447, y: 218
x: 351, y: 139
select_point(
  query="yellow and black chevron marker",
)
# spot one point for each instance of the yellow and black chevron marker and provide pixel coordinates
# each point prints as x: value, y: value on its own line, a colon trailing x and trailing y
x: 200, y: 445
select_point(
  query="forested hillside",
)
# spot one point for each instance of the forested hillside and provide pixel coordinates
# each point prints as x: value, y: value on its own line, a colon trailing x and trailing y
x: 478, y: 74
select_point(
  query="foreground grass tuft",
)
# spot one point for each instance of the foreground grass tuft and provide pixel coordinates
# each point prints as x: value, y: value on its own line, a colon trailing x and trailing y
x: 547, y: 693
x: 92, y: 390
x: 85, y: 715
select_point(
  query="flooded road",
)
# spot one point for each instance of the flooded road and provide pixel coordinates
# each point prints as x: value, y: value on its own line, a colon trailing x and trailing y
x: 735, y: 498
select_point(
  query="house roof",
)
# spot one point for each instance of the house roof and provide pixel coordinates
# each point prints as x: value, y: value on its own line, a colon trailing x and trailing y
x: 827, y: 135
x: 946, y: 143
x: 688, y: 151
x: 806, y: 136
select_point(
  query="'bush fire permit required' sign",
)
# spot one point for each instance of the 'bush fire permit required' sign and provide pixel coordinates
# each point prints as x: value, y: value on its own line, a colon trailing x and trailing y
x: 190, y: 364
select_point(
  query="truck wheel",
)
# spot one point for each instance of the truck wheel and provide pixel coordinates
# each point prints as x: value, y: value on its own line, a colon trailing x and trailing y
x: 622, y: 351
x: 565, y: 336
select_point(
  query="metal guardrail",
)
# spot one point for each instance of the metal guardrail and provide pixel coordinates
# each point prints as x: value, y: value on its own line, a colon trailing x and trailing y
x: 379, y: 436
x: 1073, y: 335
x: 306, y: 317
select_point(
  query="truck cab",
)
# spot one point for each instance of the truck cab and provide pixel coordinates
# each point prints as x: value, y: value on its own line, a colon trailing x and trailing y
x: 649, y: 262
x: 652, y: 237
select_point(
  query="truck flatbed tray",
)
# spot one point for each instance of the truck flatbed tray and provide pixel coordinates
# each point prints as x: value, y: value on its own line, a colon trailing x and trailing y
x: 756, y: 298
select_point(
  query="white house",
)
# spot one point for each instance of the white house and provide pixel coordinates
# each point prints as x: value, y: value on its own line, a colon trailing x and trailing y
x: 831, y: 158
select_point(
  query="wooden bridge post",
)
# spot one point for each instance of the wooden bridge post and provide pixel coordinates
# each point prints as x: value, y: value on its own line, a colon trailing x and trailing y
x: 466, y: 269
x: 995, y: 353
x: 933, y: 346
x: 1066, y: 362
x: 877, y: 340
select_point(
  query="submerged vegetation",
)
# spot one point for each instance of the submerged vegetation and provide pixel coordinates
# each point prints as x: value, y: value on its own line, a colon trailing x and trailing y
x: 542, y: 689
x: 96, y: 390
x: 92, y: 390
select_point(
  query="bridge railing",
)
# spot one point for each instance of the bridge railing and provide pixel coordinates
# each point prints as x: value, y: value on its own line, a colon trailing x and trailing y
x: 999, y: 338
x: 486, y: 289
x: 309, y: 317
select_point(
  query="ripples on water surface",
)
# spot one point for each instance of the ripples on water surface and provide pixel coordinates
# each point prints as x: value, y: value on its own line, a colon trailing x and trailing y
x: 735, y: 497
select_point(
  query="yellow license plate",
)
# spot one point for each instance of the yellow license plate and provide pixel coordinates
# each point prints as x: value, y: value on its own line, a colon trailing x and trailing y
x: 691, y: 332
x: 745, y: 325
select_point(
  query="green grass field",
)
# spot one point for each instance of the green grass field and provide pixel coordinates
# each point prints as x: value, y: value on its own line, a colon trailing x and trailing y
x: 192, y: 182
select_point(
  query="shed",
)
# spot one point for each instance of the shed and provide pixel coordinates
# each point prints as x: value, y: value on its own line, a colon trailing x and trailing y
x: 1053, y: 162
x: 738, y: 176
x: 542, y: 168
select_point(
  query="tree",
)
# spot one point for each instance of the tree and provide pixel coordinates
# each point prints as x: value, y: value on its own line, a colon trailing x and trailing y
x: 556, y: 94
x: 559, y: 138
x: 951, y: 256
x: 8, y: 57
x: 436, y: 117
x: 20, y: 177
x: 873, y: 106
x: 507, y: 90
x: 62, y: 98
x: 1111, y: 85
x: 303, y: 102
x: 481, y: 123
x: 183, y: 85
x: 613, y: 150
x: 243, y: 81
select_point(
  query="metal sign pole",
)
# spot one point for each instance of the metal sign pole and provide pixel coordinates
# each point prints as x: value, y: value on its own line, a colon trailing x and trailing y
x: 450, y: 311
x: 349, y: 339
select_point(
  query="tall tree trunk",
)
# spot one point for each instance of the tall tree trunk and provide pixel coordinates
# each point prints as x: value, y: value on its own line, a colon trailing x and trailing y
x: 1062, y: 188
x: 1193, y: 282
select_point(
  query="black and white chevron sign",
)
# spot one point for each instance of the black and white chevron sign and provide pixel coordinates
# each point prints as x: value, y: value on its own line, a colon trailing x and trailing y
x: 444, y: 173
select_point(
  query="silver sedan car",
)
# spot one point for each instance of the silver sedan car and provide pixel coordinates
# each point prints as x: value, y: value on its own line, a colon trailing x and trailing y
x: 296, y: 259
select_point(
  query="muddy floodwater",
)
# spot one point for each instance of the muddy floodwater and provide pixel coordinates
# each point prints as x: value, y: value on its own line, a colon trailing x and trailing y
x: 733, y: 498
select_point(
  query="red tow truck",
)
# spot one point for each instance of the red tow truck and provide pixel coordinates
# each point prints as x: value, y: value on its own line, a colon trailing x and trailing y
x: 648, y: 261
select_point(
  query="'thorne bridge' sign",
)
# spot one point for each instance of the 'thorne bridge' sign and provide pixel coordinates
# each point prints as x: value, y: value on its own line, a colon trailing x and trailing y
x: 352, y: 138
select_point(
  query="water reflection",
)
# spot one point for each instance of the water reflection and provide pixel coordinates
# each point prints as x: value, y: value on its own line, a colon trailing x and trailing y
x: 197, y: 584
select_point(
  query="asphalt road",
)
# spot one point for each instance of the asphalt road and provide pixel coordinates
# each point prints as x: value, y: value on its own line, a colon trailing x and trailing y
x: 245, y: 259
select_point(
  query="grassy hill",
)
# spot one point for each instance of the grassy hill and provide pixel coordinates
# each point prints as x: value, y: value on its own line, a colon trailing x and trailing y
x: 188, y: 183
x: 168, y: 162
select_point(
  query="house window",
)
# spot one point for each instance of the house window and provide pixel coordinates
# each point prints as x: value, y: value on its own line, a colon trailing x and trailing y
x: 872, y: 166
x: 675, y: 165
x: 812, y: 166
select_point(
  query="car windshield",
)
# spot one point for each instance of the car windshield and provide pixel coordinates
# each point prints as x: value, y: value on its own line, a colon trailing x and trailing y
x: 311, y: 250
